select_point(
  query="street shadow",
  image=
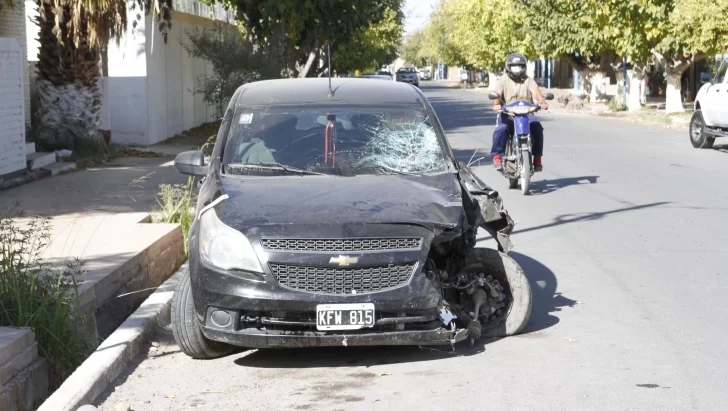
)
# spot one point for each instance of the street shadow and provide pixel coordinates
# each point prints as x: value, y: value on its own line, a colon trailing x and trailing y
x: 540, y: 187
x: 723, y: 148
x: 546, y: 300
x: 581, y: 217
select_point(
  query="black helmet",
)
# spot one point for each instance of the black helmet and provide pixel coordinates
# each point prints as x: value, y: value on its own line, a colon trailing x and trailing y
x: 516, y: 59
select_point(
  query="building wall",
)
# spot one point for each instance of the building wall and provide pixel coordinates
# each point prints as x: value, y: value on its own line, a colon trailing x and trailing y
x: 12, y: 24
x: 12, y: 106
x: 151, y: 85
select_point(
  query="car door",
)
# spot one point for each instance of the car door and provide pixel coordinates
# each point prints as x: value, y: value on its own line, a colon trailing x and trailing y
x: 716, y: 98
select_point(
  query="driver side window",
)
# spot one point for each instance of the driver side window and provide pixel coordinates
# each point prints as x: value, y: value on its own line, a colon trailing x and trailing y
x: 721, y: 74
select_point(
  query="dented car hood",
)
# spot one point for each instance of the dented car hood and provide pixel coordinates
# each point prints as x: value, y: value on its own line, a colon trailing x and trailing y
x: 432, y: 201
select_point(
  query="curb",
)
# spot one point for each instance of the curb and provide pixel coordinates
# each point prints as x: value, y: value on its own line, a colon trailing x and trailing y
x: 108, y: 361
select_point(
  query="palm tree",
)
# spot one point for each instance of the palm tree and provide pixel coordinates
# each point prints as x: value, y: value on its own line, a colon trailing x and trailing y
x: 72, y: 35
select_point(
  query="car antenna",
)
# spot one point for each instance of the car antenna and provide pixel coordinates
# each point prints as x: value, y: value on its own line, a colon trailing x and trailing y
x: 328, y: 54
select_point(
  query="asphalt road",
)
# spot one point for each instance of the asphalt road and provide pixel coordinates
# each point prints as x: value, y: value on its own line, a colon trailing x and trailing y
x: 625, y: 242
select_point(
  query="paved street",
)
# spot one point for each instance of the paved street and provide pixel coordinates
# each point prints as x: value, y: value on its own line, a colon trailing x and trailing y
x: 625, y: 242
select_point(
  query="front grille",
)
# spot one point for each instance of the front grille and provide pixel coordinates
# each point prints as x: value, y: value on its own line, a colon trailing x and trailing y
x: 327, y: 280
x: 341, y: 244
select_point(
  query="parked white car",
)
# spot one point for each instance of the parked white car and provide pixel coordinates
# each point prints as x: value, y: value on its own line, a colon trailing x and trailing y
x: 710, y: 119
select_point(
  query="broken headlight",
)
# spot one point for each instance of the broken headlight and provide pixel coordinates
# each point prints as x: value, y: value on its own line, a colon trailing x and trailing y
x: 225, y: 247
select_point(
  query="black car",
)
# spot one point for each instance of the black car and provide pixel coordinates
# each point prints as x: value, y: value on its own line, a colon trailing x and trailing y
x: 338, y: 216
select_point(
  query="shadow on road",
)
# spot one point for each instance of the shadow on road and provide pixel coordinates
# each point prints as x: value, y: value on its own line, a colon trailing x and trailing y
x: 580, y: 217
x: 539, y: 187
x: 546, y: 300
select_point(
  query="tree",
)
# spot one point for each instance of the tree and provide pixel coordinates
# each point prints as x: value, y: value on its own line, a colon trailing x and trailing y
x: 576, y: 31
x: 72, y: 35
x: 439, y: 36
x: 372, y: 47
x: 295, y: 32
x: 486, y: 31
x: 673, y: 33
x: 416, y: 51
x: 234, y: 62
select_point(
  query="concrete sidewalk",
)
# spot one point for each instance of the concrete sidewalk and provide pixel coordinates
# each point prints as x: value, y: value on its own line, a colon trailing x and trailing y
x: 97, y: 217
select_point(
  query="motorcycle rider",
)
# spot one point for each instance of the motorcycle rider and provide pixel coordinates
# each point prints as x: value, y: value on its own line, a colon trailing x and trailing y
x: 515, y: 85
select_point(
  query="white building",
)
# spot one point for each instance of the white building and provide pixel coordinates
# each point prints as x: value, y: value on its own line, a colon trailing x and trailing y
x: 148, y: 86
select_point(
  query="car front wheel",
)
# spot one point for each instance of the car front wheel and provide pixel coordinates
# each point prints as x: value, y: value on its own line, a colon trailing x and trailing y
x: 186, y: 330
x: 698, y: 138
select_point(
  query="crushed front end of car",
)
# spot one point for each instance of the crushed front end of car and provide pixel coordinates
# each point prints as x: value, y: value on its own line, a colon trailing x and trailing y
x: 373, y: 245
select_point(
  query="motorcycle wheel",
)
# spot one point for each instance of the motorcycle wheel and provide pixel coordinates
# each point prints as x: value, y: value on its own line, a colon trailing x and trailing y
x: 525, y: 172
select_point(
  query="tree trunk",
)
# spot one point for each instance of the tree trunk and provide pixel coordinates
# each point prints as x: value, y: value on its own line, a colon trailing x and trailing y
x: 69, y: 99
x: 673, y: 99
x: 276, y: 65
x: 312, y: 57
x: 635, y: 88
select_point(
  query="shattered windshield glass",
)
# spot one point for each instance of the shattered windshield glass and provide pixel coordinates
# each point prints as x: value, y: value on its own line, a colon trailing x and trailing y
x: 335, y: 140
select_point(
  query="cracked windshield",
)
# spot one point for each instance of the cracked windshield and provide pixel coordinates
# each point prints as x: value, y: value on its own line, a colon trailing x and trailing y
x: 336, y: 140
x: 363, y: 205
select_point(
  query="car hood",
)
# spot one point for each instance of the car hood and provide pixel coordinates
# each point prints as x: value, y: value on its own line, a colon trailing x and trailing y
x: 431, y: 201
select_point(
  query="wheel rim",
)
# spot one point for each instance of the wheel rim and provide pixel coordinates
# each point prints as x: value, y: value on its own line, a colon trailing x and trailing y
x: 696, y: 131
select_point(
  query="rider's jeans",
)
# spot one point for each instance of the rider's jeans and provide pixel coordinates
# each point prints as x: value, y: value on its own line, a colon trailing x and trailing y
x: 504, y: 127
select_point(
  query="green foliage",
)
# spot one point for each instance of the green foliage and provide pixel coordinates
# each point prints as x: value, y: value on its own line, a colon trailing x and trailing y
x: 700, y: 25
x: 234, y: 62
x: 309, y: 25
x: 177, y: 206
x: 439, y: 39
x: 617, y: 103
x: 372, y: 47
x: 486, y: 31
x: 416, y: 51
x: 32, y: 295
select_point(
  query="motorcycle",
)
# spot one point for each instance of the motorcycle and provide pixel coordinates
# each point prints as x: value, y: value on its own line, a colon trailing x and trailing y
x: 518, y: 158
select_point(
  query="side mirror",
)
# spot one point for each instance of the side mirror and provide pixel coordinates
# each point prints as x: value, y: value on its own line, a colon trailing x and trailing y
x: 191, y: 163
x: 548, y: 96
x: 705, y: 78
x: 493, y: 96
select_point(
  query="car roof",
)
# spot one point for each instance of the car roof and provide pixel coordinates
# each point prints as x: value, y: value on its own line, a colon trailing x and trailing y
x: 347, y: 90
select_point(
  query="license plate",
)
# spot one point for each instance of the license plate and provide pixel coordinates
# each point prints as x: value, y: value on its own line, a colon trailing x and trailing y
x: 344, y: 316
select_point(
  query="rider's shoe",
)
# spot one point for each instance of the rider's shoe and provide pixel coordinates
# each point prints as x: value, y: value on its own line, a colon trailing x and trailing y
x: 497, y: 162
x: 537, y: 164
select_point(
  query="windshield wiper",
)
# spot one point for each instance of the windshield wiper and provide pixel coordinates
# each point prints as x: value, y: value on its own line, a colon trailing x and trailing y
x: 275, y: 166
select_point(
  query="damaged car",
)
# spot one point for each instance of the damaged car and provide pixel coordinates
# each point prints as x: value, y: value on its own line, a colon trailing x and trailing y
x: 335, y: 214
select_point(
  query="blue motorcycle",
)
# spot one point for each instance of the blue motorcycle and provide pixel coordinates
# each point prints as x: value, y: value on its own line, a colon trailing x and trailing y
x: 518, y: 158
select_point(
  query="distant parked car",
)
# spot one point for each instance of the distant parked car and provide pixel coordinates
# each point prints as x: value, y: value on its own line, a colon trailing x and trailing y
x: 710, y: 119
x: 385, y: 73
x: 408, y: 75
x: 425, y: 74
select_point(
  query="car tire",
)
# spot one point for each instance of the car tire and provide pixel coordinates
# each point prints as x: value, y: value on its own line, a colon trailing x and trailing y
x: 505, y: 269
x: 696, y: 131
x: 186, y: 330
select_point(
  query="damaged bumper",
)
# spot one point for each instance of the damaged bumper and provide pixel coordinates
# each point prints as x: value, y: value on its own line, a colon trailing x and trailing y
x: 253, y: 338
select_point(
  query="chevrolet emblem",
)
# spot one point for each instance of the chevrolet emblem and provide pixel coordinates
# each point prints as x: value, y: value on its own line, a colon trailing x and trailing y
x: 343, y: 260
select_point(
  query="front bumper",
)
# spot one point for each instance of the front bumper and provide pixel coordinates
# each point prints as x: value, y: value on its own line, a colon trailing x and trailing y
x: 264, y: 314
x: 408, y: 80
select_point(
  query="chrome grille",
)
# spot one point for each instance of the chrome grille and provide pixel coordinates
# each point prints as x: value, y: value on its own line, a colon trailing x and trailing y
x: 341, y: 244
x: 329, y: 280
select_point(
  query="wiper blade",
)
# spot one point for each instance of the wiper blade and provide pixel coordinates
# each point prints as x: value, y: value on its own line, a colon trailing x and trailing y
x: 275, y: 166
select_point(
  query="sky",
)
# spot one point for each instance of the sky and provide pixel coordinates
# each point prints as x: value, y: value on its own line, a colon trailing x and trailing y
x: 417, y: 12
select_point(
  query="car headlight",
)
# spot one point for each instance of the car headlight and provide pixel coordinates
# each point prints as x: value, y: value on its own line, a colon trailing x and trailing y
x: 225, y: 247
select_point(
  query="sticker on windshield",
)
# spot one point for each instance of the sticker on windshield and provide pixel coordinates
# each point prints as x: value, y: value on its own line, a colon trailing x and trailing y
x: 246, y: 118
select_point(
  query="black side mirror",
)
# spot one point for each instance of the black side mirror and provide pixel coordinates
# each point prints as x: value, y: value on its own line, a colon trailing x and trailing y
x: 548, y: 96
x: 493, y: 96
x: 191, y: 163
x: 705, y: 78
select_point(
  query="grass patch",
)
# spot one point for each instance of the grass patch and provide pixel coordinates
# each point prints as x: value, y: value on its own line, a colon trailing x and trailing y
x: 177, y: 206
x: 32, y: 295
